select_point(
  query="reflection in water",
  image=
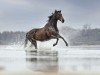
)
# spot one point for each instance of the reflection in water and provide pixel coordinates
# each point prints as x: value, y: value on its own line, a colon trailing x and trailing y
x: 79, y: 63
x: 66, y: 59
x: 48, y: 61
x: 45, y: 61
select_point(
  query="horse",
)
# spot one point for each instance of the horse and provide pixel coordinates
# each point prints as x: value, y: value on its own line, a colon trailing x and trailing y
x: 49, y: 31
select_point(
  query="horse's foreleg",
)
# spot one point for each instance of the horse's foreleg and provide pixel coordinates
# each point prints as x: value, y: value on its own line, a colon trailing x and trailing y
x: 63, y: 40
x: 57, y: 37
x: 56, y: 42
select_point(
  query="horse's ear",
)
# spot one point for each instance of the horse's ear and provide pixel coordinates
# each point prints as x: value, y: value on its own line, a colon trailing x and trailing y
x: 60, y: 11
x: 56, y: 11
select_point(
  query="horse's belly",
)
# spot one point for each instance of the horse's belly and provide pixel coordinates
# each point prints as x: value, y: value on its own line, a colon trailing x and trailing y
x: 41, y: 37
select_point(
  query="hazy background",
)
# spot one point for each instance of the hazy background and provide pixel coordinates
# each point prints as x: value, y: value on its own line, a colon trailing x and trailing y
x: 81, y: 30
x: 81, y: 27
x: 23, y: 15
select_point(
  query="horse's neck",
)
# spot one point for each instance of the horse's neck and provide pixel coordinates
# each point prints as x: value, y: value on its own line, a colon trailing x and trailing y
x: 53, y: 22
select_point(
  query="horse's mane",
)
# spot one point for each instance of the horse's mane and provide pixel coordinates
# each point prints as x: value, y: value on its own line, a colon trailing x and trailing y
x: 50, y: 17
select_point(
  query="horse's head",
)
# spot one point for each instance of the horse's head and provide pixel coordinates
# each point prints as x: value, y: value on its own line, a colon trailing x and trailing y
x: 59, y: 16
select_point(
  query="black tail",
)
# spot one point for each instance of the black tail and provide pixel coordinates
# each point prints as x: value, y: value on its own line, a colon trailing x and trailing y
x: 26, y: 41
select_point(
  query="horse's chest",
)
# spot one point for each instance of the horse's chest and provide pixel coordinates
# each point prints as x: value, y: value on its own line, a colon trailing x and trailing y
x: 40, y: 35
x: 50, y: 31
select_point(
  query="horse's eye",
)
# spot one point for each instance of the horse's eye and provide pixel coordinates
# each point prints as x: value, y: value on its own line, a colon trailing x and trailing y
x: 60, y: 14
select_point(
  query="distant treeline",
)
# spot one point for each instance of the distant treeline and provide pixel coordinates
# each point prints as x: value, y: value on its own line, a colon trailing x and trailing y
x: 85, y: 36
x: 12, y: 37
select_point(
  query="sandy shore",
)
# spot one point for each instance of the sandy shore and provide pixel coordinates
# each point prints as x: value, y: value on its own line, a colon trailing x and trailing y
x: 29, y: 72
x: 70, y: 61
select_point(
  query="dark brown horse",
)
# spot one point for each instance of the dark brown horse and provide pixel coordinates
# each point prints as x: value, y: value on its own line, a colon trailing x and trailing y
x: 49, y: 31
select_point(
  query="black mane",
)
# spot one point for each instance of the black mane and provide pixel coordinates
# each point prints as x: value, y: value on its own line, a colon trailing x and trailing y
x: 50, y: 17
x: 55, y: 25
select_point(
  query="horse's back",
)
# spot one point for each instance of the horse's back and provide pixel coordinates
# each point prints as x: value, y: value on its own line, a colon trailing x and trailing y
x: 42, y: 34
x: 37, y: 34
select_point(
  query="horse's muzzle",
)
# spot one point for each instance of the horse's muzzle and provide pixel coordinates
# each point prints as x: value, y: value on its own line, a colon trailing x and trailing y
x: 62, y: 20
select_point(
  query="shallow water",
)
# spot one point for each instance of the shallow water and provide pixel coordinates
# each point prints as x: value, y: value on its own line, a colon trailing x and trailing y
x: 51, y: 60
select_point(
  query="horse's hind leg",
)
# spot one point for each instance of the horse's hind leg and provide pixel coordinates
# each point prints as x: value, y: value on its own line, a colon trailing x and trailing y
x: 34, y: 43
x: 26, y: 41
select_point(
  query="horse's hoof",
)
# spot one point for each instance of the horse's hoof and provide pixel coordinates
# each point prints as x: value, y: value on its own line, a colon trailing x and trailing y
x: 54, y: 44
x: 66, y: 44
x: 34, y: 51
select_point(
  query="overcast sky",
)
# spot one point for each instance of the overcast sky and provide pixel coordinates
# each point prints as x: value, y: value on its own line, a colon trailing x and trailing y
x: 24, y: 15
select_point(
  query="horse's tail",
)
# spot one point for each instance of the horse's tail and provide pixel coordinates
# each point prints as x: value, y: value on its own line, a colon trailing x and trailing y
x: 26, y: 41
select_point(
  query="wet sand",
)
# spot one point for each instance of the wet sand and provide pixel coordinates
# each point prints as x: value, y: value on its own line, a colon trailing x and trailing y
x: 28, y: 72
